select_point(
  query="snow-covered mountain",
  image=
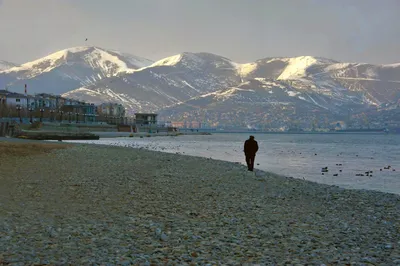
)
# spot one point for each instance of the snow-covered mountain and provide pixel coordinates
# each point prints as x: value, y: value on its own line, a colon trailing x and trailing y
x: 4, y: 65
x: 280, y: 67
x: 69, y: 69
x: 178, y: 78
x: 378, y: 83
x: 164, y: 83
x: 304, y: 90
x: 264, y: 101
x: 186, y: 84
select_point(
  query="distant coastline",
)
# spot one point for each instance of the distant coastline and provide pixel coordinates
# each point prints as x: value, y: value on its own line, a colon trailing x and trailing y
x: 303, y: 133
x: 355, y: 131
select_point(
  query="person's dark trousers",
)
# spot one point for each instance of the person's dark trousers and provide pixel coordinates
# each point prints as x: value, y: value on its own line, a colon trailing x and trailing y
x: 250, y: 161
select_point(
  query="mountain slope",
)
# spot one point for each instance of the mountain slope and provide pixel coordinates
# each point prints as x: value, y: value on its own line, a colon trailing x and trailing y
x: 266, y: 102
x: 164, y: 83
x: 378, y: 83
x: 69, y: 69
x: 281, y: 67
x: 4, y: 65
x: 290, y: 92
x: 304, y: 89
x: 180, y: 77
x: 184, y: 85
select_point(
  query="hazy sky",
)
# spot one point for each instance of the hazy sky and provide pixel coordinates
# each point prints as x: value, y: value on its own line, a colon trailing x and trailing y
x: 243, y: 30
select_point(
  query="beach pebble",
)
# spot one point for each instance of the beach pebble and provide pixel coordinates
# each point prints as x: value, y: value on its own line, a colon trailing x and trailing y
x: 164, y: 237
x: 139, y: 207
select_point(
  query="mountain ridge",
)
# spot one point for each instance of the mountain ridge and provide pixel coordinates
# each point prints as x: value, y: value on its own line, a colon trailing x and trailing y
x: 97, y: 75
x: 70, y: 68
x: 4, y: 65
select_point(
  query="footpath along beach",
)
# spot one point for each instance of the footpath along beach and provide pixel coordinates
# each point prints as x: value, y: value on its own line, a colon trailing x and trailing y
x: 64, y: 204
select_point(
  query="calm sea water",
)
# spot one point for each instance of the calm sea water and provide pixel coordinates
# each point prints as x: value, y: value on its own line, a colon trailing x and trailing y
x: 296, y: 155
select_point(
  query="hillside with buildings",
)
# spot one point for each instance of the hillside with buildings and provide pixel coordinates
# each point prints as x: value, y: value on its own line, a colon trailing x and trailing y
x: 52, y: 108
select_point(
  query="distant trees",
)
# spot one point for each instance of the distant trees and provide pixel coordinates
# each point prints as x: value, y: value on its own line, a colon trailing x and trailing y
x: 3, y: 109
x: 7, y: 110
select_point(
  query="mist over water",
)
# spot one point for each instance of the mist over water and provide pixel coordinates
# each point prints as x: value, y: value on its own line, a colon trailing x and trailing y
x: 296, y: 155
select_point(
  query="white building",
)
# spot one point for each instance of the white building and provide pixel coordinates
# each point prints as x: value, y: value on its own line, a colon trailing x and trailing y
x: 14, y: 99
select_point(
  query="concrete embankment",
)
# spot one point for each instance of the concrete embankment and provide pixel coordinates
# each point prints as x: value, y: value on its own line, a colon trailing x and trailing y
x: 142, y: 134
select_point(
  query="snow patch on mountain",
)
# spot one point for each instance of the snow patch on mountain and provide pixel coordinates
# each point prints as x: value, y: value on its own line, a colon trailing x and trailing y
x: 190, y: 60
x: 50, y: 61
x: 223, y: 93
x: 110, y: 63
x: 292, y: 93
x: 194, y: 61
x: 268, y: 83
x: 245, y: 69
x: 169, y: 61
x: 391, y: 65
x: 298, y: 66
x: 137, y: 61
x: 230, y: 92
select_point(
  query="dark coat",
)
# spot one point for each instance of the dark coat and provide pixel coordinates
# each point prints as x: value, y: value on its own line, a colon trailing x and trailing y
x: 250, y: 147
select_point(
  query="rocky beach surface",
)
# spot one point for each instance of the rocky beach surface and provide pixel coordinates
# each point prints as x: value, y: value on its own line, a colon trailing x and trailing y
x: 66, y: 204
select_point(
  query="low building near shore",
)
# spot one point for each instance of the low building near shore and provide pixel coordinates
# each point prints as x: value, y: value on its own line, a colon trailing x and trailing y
x: 81, y: 111
x: 146, y: 122
x: 112, y: 109
x: 146, y: 118
x: 45, y: 105
x: 13, y: 98
x: 112, y: 113
x: 55, y: 108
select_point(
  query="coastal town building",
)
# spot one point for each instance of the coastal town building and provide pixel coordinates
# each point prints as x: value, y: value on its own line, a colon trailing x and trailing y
x: 112, y: 109
x: 178, y: 124
x: 187, y: 124
x: 146, y: 122
x: 46, y: 105
x: 13, y: 98
x: 50, y: 101
x: 79, y: 111
x: 146, y: 118
x: 55, y: 108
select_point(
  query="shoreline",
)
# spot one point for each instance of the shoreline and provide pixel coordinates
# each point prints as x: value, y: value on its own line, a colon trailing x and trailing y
x: 256, y: 173
x: 144, y: 134
x: 133, y: 206
x: 241, y: 162
x: 195, y: 156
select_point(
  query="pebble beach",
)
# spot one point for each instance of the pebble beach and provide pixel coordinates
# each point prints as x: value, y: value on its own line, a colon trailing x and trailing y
x: 104, y: 205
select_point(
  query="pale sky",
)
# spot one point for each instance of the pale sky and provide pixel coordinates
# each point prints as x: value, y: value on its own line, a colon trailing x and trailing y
x: 242, y: 30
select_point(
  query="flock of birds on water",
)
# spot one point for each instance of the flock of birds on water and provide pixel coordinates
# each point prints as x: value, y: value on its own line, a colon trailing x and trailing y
x: 367, y: 173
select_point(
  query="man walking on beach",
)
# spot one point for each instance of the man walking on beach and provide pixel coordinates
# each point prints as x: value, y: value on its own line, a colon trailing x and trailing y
x: 250, y: 150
